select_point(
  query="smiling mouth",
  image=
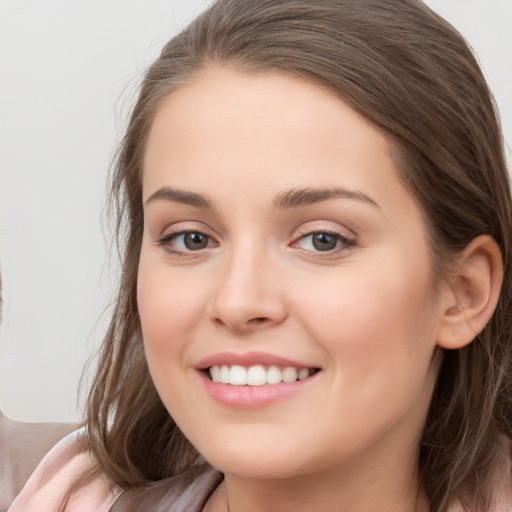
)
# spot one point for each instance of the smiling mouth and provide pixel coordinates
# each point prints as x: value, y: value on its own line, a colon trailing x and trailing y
x: 258, y: 375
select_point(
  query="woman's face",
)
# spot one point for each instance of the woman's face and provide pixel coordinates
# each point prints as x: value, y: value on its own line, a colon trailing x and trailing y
x: 281, y: 248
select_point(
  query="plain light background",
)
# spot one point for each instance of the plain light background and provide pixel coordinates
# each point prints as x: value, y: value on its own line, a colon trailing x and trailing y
x: 68, y: 73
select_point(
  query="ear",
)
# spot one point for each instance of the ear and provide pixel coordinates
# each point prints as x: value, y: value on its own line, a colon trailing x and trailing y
x: 475, y: 289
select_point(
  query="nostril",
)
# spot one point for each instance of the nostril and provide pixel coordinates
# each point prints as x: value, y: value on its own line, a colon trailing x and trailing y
x: 250, y: 323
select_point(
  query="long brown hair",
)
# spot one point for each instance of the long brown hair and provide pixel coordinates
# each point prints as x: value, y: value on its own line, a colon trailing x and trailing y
x: 414, y: 77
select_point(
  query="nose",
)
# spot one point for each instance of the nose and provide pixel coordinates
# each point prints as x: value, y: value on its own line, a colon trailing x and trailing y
x: 248, y: 296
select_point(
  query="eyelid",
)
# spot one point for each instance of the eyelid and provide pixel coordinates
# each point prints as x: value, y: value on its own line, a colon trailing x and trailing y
x: 183, y: 226
x: 175, y: 231
x: 346, y: 243
x: 339, y: 236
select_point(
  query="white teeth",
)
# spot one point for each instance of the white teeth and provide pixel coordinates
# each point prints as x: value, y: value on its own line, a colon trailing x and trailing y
x: 256, y: 375
x: 289, y: 374
x: 303, y: 374
x: 215, y: 373
x: 238, y: 376
x: 274, y: 375
x: 224, y: 374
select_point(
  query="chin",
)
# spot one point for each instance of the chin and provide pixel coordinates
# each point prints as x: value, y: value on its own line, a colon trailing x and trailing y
x: 258, y: 470
x: 262, y: 463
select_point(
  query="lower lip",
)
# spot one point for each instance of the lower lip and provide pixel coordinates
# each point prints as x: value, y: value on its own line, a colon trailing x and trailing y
x: 253, y: 397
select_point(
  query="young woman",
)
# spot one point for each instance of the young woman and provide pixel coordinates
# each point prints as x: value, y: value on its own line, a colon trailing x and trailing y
x: 315, y: 306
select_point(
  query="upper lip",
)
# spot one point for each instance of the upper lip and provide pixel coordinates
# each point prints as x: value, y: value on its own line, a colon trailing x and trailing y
x: 249, y: 359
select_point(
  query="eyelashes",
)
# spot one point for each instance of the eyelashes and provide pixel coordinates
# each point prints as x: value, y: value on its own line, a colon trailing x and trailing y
x: 323, y: 241
x: 185, y: 242
x: 318, y: 243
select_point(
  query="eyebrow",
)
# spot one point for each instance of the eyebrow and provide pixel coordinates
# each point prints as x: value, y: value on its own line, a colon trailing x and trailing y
x: 181, y: 196
x: 289, y: 199
x: 303, y: 197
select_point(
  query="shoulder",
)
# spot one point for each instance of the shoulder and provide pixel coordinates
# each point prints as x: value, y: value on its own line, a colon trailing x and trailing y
x: 186, y: 492
x: 55, y: 485
x: 22, y: 446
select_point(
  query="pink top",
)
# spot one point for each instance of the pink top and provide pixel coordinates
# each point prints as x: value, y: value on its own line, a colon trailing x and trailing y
x: 22, y: 446
x: 51, y: 487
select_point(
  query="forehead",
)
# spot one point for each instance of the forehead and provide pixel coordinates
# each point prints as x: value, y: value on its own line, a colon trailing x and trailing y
x: 226, y: 126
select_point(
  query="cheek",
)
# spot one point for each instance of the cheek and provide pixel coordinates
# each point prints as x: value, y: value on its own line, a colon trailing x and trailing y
x: 382, y: 317
x: 168, y: 303
x: 169, y: 307
x: 379, y: 334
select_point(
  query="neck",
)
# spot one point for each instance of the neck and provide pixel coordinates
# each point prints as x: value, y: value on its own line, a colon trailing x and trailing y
x: 343, y: 490
x: 292, y: 497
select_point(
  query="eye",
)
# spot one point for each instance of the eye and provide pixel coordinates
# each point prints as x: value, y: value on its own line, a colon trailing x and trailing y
x: 186, y: 242
x: 192, y: 241
x: 323, y: 241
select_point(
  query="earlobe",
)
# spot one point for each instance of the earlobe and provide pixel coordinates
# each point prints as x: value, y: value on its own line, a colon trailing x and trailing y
x: 474, y: 293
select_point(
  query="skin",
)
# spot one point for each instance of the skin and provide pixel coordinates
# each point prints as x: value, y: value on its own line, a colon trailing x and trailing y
x: 365, y: 313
